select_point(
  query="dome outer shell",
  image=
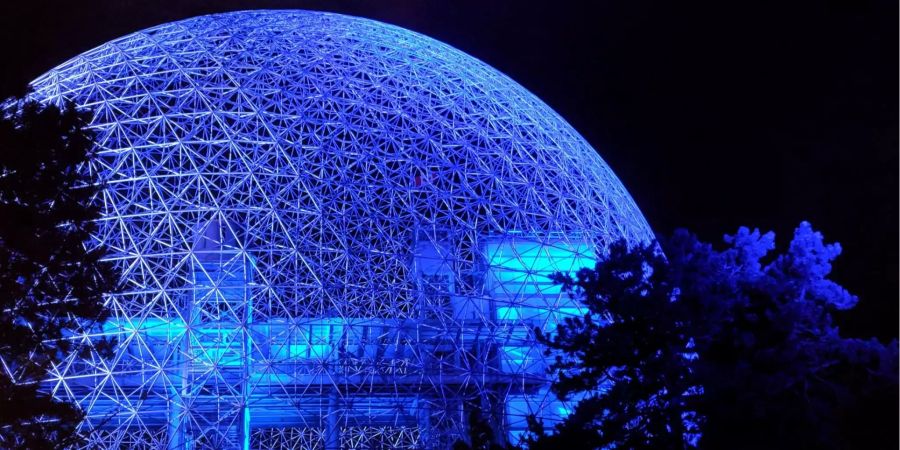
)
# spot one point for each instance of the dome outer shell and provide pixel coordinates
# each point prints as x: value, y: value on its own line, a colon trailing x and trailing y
x: 326, y: 157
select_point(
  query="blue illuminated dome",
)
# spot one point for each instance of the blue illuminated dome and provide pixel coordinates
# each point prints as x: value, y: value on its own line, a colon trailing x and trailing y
x: 334, y: 233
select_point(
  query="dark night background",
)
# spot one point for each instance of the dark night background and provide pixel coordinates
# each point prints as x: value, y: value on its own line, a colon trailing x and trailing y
x: 714, y: 114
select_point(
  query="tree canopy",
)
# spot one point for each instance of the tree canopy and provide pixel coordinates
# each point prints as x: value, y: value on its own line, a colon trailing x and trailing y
x: 52, y: 281
x: 733, y: 348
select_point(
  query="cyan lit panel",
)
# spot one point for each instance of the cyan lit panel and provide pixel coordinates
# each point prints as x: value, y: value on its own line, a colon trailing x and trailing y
x: 148, y: 339
x: 519, y: 277
x: 220, y: 346
x: 527, y: 359
x: 524, y: 296
x: 167, y: 329
x: 278, y: 341
x: 521, y: 267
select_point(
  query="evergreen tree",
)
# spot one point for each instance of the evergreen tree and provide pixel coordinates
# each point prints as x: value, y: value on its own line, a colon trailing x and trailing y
x: 51, y: 280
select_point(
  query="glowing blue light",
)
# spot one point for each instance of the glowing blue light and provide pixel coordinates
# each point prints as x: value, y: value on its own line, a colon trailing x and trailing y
x: 334, y: 233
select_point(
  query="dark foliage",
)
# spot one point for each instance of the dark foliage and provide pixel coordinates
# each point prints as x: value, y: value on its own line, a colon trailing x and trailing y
x: 630, y: 355
x: 775, y: 371
x: 738, y: 342
x: 481, y: 435
x: 51, y: 283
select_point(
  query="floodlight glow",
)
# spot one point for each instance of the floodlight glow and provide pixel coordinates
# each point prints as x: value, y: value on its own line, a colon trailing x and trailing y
x: 334, y: 233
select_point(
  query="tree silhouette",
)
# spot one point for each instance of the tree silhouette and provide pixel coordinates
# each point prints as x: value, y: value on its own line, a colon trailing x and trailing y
x: 630, y: 355
x: 481, y: 435
x: 51, y: 280
x: 775, y: 371
x: 736, y: 343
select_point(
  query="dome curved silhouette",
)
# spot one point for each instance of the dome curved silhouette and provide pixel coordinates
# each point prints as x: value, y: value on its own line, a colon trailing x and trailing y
x: 333, y: 232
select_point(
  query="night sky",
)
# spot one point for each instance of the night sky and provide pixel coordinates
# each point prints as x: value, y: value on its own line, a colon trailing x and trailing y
x: 714, y: 114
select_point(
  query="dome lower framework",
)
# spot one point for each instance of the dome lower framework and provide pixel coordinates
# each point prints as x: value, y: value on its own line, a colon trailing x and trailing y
x: 333, y: 233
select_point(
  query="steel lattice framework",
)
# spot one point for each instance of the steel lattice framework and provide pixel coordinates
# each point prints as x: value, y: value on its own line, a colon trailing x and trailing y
x: 335, y: 233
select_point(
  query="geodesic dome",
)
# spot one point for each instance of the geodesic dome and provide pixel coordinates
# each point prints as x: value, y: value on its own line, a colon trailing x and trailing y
x: 334, y: 233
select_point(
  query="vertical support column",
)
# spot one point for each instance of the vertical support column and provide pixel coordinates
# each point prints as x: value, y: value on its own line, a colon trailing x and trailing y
x: 179, y: 386
x: 332, y: 428
x: 246, y: 349
x: 423, y: 416
x: 175, y: 418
